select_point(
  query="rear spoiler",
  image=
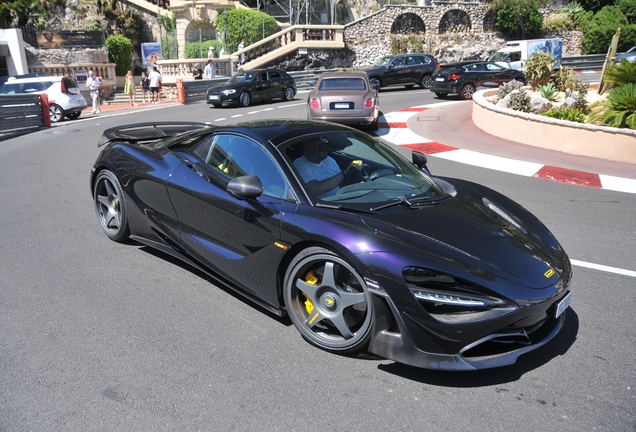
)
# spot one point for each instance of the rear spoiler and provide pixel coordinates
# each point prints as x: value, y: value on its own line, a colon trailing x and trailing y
x: 140, y: 132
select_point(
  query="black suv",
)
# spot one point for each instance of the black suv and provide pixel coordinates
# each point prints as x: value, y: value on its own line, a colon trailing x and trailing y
x: 403, y: 69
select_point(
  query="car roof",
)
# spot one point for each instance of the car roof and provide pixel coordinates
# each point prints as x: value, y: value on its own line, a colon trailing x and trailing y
x: 344, y: 74
x: 35, y: 79
x: 464, y: 63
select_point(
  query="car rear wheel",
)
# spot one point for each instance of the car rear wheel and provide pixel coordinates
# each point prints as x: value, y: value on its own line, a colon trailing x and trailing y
x: 56, y: 112
x: 74, y: 115
x: 375, y: 83
x: 245, y: 99
x: 426, y: 81
x: 373, y: 126
x: 328, y: 301
x: 216, y: 105
x: 288, y: 94
x: 109, y: 206
x: 467, y: 91
x: 441, y: 95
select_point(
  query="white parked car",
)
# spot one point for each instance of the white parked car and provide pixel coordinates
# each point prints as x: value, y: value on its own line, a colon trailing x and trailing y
x: 65, y: 98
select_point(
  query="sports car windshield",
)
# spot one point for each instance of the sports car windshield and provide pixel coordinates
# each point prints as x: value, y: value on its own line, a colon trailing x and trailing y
x: 355, y: 170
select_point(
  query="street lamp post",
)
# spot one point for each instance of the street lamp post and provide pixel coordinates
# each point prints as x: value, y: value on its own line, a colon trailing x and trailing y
x: 225, y: 28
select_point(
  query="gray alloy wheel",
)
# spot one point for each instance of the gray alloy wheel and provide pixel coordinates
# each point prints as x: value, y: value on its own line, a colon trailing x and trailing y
x: 245, y: 99
x: 56, y: 112
x: 375, y: 82
x: 328, y: 301
x: 109, y: 206
x: 467, y: 91
x: 426, y: 81
x: 288, y: 94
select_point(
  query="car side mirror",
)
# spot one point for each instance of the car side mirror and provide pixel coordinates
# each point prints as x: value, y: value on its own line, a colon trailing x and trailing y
x: 420, y: 160
x: 245, y: 187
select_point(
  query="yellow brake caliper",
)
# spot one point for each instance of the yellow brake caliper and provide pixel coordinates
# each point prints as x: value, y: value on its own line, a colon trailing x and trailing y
x: 311, y: 279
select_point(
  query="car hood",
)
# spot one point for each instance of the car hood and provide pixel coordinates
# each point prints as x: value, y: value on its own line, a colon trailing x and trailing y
x: 372, y: 69
x: 226, y: 86
x: 483, y: 232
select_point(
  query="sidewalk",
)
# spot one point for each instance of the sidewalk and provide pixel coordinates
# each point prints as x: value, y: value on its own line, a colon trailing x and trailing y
x: 446, y: 130
x: 106, y: 107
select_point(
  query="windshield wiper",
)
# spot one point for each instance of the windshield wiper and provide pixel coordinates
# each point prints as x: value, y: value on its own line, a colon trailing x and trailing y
x: 412, y: 202
x: 341, y: 207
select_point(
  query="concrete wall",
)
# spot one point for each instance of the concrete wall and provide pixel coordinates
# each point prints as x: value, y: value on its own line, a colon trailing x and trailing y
x: 16, y: 62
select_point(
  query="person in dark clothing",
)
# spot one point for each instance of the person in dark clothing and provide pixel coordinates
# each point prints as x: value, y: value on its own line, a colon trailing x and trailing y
x: 198, y: 72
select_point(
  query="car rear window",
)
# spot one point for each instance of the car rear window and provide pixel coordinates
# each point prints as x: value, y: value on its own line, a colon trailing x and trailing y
x: 343, y: 84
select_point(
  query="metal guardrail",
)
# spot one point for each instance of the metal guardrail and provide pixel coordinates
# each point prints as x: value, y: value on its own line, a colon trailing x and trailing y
x: 584, y: 63
x: 19, y: 114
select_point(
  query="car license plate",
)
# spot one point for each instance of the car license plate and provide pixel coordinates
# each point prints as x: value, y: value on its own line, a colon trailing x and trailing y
x: 341, y: 105
x: 439, y: 79
x: 214, y: 97
x: 563, y: 305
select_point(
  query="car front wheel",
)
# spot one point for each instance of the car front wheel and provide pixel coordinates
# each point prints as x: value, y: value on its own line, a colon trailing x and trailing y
x: 109, y: 206
x: 467, y: 91
x: 245, y: 99
x: 441, y: 95
x: 328, y: 301
x: 375, y: 83
x: 56, y: 112
x: 74, y: 115
x: 426, y: 81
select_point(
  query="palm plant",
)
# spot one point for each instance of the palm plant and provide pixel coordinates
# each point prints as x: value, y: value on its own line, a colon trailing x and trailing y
x: 620, y: 108
x: 622, y: 73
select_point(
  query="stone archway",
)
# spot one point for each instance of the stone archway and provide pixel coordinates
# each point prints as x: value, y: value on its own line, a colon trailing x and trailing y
x: 408, y: 23
x: 455, y: 21
x: 200, y: 29
x: 490, y: 20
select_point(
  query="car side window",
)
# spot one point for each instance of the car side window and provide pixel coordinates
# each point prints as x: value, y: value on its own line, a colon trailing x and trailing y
x: 234, y: 156
x: 494, y: 67
x: 411, y: 61
x: 274, y: 75
x: 475, y: 67
x: 515, y: 56
x: 424, y: 59
x: 398, y: 62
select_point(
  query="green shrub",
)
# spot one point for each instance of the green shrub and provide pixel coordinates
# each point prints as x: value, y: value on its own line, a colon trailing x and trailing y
x: 619, y: 110
x: 548, y: 92
x: 169, y: 48
x: 519, y: 101
x: 539, y: 68
x: 628, y: 7
x: 558, y: 23
x: 200, y: 49
x: 609, y: 16
x: 508, y: 23
x: 508, y: 88
x: 119, y: 52
x: 566, y: 113
x: 621, y: 74
x: 563, y: 78
x: 245, y: 24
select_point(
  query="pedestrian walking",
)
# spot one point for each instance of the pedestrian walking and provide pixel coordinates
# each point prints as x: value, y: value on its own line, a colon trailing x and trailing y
x: 92, y: 84
x: 209, y: 70
x: 130, y: 89
x: 197, y: 73
x: 210, y: 53
x: 240, y: 47
x: 155, y: 83
x: 144, y: 85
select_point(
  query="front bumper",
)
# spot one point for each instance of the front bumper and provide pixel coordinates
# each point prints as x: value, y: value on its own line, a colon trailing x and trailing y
x: 391, y: 339
x: 221, y: 99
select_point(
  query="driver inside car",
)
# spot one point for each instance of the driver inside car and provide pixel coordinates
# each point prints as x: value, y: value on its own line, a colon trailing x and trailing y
x: 321, y: 172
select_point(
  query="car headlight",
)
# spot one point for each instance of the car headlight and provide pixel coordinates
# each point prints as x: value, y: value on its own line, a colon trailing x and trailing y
x: 452, y: 301
x: 228, y: 92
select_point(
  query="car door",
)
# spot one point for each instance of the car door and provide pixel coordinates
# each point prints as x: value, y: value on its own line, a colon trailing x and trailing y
x: 261, y: 86
x: 235, y: 237
x: 396, y: 72
x: 476, y: 73
x: 413, y: 67
x: 277, y: 83
x: 497, y: 75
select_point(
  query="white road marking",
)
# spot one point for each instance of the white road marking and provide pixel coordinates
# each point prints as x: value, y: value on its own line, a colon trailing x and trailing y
x: 604, y: 268
x: 618, y: 184
x: 498, y: 163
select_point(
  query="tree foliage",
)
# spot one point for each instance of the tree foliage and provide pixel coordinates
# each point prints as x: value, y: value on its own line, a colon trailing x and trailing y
x: 539, y: 68
x: 119, y: 52
x: 519, y: 17
x: 245, y: 24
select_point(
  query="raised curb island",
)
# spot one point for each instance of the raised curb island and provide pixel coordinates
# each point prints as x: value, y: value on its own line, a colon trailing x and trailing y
x: 602, y: 142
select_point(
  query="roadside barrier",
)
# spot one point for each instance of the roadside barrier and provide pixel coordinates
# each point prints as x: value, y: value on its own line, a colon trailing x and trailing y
x: 22, y: 113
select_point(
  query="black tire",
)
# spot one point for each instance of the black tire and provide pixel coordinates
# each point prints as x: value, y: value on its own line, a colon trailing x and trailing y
x: 441, y: 95
x: 374, y: 125
x: 216, y: 105
x: 74, y: 116
x: 409, y: 86
x: 245, y: 99
x: 426, y: 82
x: 288, y: 94
x: 56, y: 113
x: 375, y: 82
x: 328, y: 301
x: 521, y: 80
x: 467, y: 91
x: 110, y: 207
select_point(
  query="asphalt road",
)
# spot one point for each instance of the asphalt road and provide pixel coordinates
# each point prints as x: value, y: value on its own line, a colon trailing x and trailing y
x: 98, y: 336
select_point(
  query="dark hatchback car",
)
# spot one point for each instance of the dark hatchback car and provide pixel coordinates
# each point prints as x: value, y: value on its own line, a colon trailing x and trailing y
x: 246, y: 87
x: 464, y: 77
x: 402, y: 69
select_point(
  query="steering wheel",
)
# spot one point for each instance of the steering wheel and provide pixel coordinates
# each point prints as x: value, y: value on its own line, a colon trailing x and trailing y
x: 380, y: 173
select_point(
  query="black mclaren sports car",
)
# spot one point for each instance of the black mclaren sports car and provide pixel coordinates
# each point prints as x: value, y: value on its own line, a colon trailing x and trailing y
x: 362, y: 248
